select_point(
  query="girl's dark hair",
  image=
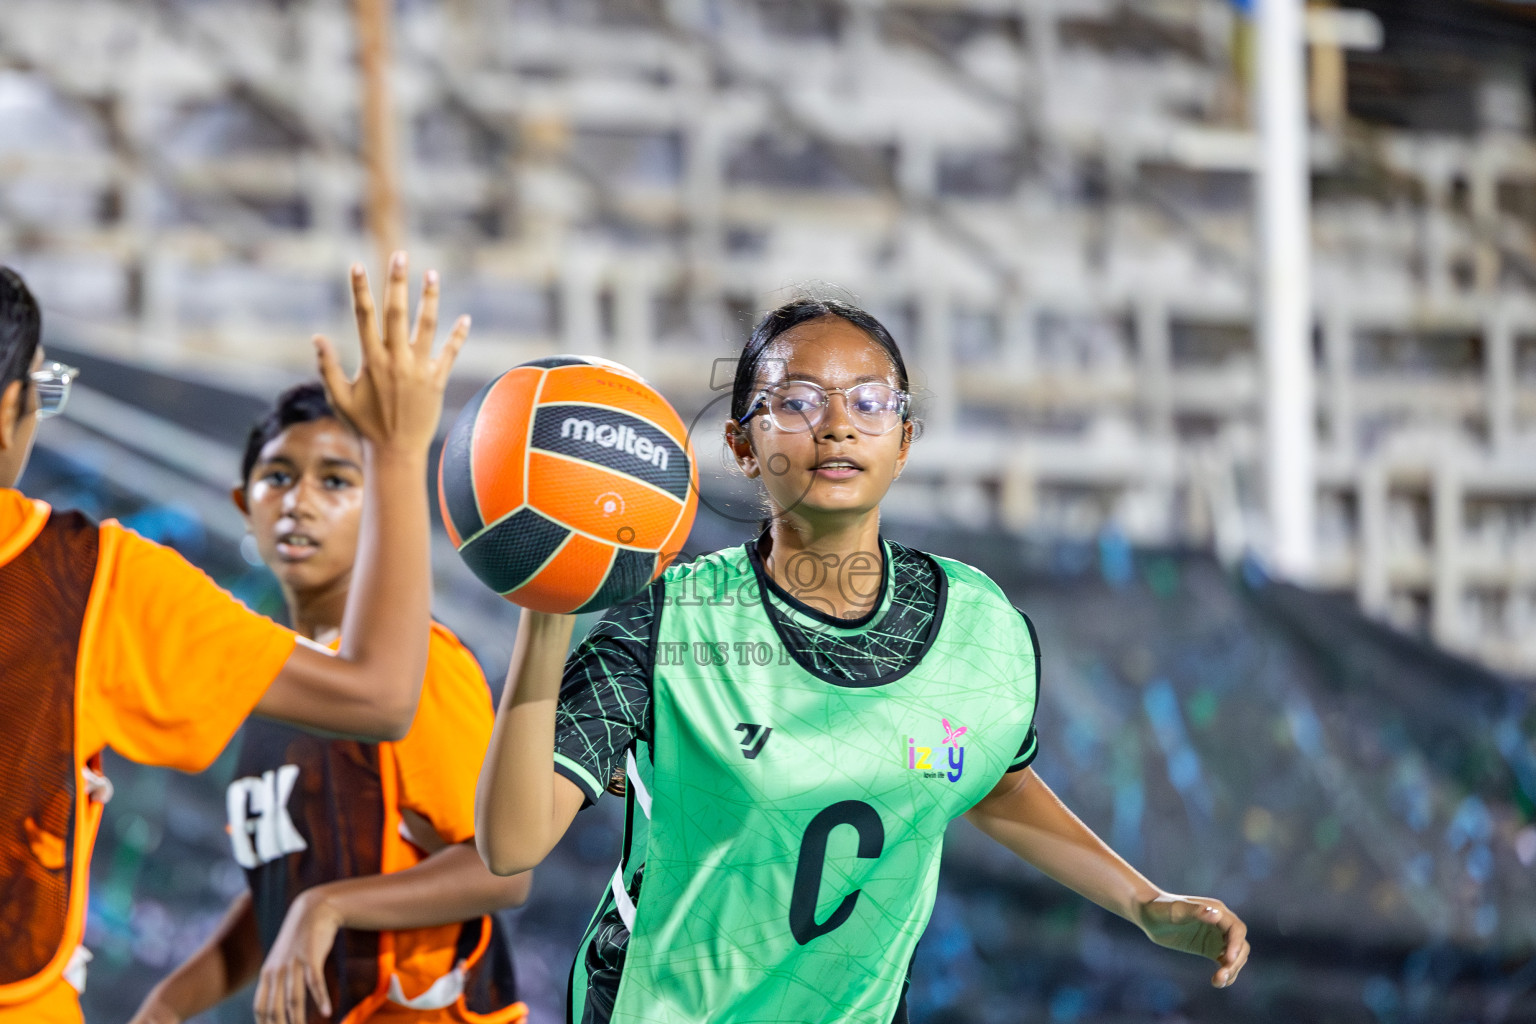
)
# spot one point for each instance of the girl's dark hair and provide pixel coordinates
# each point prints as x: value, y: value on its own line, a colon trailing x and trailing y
x: 791, y: 315
x: 302, y: 403
x: 21, y: 327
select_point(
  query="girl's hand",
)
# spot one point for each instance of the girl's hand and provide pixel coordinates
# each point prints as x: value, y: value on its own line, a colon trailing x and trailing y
x: 1201, y: 926
x: 296, y: 964
x: 397, y: 396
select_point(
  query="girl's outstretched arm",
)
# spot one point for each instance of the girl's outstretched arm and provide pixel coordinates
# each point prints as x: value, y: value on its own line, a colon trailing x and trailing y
x: 1024, y: 815
x: 522, y: 806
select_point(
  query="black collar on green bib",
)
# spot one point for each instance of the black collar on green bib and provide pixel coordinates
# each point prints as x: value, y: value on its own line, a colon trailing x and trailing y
x: 754, y: 552
x: 768, y: 590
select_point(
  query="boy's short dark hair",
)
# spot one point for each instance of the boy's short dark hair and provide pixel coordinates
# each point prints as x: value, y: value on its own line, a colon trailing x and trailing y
x: 302, y: 403
x: 21, y: 328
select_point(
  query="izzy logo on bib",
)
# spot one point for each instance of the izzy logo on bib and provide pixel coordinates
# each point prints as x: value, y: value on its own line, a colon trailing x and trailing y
x: 921, y: 759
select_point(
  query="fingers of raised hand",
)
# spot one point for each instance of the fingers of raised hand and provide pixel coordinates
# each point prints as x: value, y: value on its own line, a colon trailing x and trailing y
x: 367, y: 317
x: 444, y: 363
x: 337, y: 387
x: 397, y: 302
x: 426, y: 317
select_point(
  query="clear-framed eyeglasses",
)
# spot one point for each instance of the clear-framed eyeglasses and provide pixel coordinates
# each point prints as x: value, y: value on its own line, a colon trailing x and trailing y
x: 796, y: 406
x: 51, y: 382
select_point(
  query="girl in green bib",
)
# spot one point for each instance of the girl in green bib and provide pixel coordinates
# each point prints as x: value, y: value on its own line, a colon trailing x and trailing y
x: 793, y: 724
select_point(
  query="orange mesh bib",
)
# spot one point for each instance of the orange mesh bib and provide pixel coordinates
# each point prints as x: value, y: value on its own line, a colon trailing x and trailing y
x: 46, y: 824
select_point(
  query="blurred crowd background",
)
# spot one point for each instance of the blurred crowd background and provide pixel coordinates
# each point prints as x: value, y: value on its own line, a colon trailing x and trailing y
x: 1052, y: 204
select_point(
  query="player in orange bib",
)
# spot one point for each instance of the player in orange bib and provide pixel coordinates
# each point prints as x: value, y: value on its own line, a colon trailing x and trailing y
x: 109, y: 640
x: 365, y: 889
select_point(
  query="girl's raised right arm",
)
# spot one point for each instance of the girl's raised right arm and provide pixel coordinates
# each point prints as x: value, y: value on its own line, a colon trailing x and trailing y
x: 522, y: 805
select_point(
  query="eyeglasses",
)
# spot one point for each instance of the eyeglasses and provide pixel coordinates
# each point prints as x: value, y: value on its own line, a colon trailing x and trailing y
x: 51, y: 382
x: 796, y: 406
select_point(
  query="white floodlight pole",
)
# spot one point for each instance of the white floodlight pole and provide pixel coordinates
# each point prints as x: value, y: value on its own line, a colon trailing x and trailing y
x: 1285, y: 302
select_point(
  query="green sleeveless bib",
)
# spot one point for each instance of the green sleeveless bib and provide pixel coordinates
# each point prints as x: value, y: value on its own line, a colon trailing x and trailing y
x: 788, y: 828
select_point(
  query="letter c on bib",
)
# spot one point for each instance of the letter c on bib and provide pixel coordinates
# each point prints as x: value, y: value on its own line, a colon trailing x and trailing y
x: 813, y: 857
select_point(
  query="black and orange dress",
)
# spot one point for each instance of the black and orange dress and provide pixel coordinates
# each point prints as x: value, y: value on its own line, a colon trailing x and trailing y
x: 106, y: 640
x: 305, y: 810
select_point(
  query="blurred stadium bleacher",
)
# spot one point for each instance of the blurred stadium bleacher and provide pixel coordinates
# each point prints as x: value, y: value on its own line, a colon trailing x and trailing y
x: 1050, y: 201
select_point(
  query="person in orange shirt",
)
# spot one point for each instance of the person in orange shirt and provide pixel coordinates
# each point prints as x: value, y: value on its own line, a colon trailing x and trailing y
x: 109, y: 640
x: 365, y: 888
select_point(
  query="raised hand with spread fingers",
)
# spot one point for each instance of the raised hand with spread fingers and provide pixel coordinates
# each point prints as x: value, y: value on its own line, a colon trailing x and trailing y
x: 396, y: 396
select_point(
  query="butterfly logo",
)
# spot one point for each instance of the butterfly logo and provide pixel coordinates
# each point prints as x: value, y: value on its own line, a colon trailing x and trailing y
x: 921, y: 758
